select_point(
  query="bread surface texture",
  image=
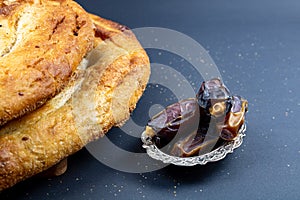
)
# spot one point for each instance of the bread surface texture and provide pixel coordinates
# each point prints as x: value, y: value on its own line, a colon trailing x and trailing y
x: 41, y: 44
x: 101, y: 93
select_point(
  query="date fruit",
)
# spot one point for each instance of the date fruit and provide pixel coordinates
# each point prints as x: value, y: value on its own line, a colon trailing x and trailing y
x: 196, y: 126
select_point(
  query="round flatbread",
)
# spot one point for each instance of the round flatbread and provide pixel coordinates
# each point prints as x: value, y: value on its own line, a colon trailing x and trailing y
x: 41, y: 44
x: 102, y: 94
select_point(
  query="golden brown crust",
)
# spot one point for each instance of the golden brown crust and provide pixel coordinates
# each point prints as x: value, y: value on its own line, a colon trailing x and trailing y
x: 41, y: 44
x: 37, y: 145
x: 117, y: 74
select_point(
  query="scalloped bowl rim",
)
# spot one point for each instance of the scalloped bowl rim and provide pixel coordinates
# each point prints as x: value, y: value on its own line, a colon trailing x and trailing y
x: 218, y: 154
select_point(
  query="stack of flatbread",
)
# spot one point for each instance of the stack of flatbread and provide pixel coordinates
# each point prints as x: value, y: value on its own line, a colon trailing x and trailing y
x: 66, y: 78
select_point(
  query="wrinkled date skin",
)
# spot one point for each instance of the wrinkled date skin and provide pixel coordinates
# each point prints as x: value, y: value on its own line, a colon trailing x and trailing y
x: 198, y: 125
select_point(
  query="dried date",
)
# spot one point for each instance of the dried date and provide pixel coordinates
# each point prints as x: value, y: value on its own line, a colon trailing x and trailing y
x: 198, y: 125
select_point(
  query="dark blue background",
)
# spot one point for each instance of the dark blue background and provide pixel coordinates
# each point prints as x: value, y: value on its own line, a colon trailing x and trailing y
x: 256, y: 46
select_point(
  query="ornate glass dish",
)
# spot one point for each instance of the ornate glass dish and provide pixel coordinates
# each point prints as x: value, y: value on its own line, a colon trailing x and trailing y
x: 197, y: 130
x: 218, y: 154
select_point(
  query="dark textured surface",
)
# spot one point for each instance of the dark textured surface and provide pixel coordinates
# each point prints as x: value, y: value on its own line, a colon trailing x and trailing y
x: 256, y: 46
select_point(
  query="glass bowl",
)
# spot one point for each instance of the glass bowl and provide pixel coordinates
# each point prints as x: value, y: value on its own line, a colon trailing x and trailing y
x: 215, y: 155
